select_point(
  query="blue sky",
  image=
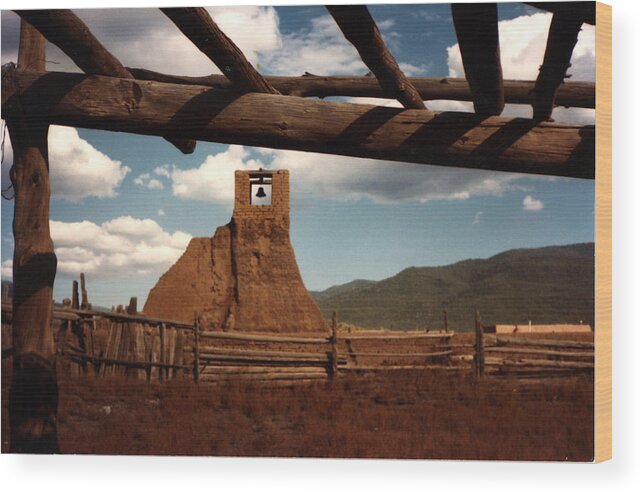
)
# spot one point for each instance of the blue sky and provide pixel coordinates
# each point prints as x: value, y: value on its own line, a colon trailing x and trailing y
x: 125, y: 206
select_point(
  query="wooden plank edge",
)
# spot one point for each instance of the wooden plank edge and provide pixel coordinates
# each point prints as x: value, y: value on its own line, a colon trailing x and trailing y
x: 603, y: 219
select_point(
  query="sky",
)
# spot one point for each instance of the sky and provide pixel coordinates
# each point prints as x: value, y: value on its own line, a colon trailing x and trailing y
x: 124, y: 207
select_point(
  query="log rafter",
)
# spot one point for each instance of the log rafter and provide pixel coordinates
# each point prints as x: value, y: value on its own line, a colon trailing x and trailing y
x: 584, y: 10
x: 68, y: 32
x: 572, y: 94
x: 561, y: 40
x: 476, y: 27
x: 419, y: 136
x: 199, y: 27
x: 358, y: 26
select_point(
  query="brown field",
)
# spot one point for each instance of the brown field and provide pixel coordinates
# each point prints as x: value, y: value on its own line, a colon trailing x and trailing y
x: 390, y: 414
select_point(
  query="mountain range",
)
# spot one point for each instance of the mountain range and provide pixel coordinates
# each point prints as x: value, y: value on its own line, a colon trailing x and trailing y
x: 553, y: 284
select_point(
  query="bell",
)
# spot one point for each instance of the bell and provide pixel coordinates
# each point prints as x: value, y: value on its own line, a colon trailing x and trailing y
x: 261, y: 193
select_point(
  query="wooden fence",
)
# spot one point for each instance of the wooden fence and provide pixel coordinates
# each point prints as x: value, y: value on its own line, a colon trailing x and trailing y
x: 507, y: 355
x: 124, y: 343
x: 121, y: 343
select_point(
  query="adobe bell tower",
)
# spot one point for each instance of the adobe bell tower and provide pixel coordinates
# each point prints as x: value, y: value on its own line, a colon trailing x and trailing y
x: 245, y: 278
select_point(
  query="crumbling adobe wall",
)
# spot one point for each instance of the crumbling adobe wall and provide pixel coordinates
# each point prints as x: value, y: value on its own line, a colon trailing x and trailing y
x: 246, y: 277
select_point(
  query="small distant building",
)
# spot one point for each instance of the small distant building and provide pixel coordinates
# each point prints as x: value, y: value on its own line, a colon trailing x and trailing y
x: 553, y: 328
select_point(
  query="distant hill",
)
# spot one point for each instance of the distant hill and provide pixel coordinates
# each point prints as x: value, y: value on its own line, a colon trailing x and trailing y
x: 545, y: 285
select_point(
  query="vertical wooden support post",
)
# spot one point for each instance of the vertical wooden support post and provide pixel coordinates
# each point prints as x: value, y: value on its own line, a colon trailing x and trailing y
x: 75, y: 304
x: 83, y: 292
x: 5, y: 294
x: 476, y: 26
x: 197, y: 331
x: 178, y: 354
x: 333, y: 341
x: 163, y: 351
x: 33, y: 394
x: 132, y: 307
x: 479, y: 361
x: 446, y: 319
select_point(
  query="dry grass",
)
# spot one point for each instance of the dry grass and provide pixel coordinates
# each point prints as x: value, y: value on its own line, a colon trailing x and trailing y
x: 393, y: 414
x: 431, y: 415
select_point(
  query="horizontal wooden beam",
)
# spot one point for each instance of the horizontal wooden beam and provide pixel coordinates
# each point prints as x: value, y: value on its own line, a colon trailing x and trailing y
x: 70, y: 314
x: 557, y: 344
x: 68, y: 32
x: 571, y: 94
x: 284, y: 122
x: 359, y: 28
x: 586, y: 10
x: 393, y: 335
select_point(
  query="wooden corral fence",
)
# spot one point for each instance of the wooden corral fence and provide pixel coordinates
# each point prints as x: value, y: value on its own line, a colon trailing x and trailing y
x: 507, y: 355
x: 119, y: 343
x: 124, y: 343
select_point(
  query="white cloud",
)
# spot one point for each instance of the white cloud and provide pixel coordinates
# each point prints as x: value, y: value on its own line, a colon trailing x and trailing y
x: 477, y: 217
x: 146, y: 180
x: 532, y: 204
x: 155, y: 184
x: 77, y: 169
x: 161, y: 212
x: 342, y: 178
x: 7, y: 269
x: 123, y: 246
x: 163, y: 171
x: 339, y: 177
x: 141, y: 179
x: 321, y: 49
x: 213, y: 180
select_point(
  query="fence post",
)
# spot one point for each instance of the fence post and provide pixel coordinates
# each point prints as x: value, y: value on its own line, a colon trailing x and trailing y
x: 479, y: 361
x: 196, y: 347
x: 83, y: 291
x: 163, y: 351
x: 333, y: 341
x: 74, y: 295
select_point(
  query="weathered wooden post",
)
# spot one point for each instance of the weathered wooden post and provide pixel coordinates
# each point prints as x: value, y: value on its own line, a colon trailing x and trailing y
x: 163, y: 352
x: 446, y: 319
x: 333, y: 341
x: 33, y: 395
x: 479, y: 360
x: 196, y: 348
x: 5, y: 294
x: 83, y: 291
x: 75, y: 304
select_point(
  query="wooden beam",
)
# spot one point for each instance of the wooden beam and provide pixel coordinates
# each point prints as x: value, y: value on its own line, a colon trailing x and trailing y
x: 198, y: 26
x: 572, y: 94
x: 585, y: 10
x: 285, y: 122
x: 359, y: 28
x: 562, y: 38
x: 476, y: 26
x: 33, y: 395
x: 69, y: 33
